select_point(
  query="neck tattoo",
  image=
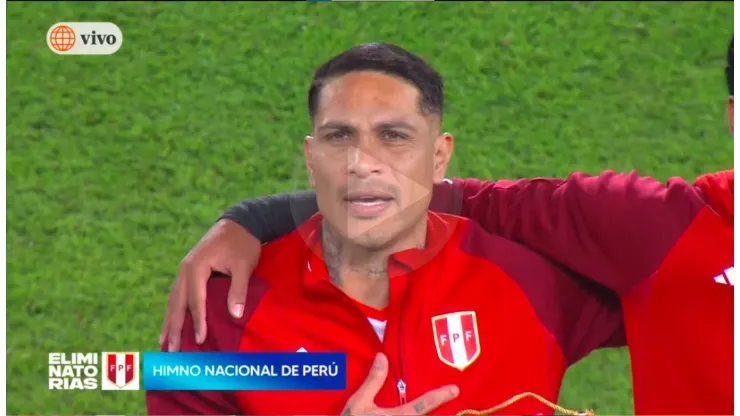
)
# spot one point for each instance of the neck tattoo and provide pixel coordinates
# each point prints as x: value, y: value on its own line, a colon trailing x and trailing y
x: 334, y: 249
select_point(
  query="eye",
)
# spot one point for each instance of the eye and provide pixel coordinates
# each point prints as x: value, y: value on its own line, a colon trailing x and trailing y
x: 391, y: 135
x: 338, y: 135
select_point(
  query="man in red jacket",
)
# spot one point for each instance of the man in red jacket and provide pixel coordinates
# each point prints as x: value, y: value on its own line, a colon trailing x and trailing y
x: 449, y: 305
x: 658, y: 246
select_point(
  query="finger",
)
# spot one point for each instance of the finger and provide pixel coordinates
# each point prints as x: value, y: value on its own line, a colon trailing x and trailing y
x: 241, y: 272
x: 238, y: 288
x: 365, y: 395
x: 428, y: 402
x: 196, y: 277
x: 163, y: 331
x: 166, y: 322
x: 175, y: 317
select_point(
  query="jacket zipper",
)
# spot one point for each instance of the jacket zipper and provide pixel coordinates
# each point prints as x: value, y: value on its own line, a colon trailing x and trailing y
x: 401, y: 390
x: 401, y: 385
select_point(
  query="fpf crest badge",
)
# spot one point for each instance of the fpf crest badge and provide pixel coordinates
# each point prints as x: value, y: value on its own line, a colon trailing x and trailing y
x: 120, y: 371
x: 456, y: 338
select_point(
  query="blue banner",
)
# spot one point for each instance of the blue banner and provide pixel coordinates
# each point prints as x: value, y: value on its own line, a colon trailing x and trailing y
x: 233, y: 371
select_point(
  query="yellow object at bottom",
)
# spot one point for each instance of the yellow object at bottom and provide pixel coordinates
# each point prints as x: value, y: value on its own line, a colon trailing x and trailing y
x: 518, y: 397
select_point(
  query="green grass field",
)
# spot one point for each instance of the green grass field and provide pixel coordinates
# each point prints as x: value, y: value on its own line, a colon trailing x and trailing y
x: 118, y: 164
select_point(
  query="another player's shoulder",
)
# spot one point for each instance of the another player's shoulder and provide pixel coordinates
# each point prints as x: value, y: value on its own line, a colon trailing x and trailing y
x: 722, y: 181
x: 718, y: 189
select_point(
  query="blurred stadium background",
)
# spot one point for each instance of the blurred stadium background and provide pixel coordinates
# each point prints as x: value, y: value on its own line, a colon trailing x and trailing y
x: 118, y: 164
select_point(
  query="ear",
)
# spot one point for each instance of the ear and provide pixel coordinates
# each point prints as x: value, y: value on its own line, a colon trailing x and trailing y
x: 731, y: 113
x: 443, y: 147
x: 308, y: 142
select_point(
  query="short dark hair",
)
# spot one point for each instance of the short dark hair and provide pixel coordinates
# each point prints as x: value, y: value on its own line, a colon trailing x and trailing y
x: 729, y: 67
x: 388, y: 59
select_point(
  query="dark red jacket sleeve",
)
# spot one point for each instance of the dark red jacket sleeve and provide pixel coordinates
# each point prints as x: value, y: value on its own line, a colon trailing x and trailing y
x: 224, y: 334
x: 612, y: 228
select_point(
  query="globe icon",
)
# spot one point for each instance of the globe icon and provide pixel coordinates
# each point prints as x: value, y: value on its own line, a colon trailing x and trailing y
x: 62, y: 38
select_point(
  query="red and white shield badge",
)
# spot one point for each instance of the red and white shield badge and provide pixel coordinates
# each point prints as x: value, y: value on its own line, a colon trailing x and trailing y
x: 121, y: 368
x: 456, y: 338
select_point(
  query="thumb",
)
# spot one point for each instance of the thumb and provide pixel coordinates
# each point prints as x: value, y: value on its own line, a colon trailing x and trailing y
x: 374, y: 381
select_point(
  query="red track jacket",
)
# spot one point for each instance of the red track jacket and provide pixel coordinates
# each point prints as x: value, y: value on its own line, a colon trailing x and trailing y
x: 472, y: 309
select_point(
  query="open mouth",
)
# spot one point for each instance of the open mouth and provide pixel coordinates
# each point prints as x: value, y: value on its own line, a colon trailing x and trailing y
x: 368, y: 203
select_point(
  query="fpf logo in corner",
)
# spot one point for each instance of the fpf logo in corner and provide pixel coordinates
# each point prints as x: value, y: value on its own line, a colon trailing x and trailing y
x: 84, y: 38
x: 120, y: 371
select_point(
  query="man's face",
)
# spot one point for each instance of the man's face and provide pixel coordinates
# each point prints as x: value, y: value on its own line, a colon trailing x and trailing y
x: 374, y: 157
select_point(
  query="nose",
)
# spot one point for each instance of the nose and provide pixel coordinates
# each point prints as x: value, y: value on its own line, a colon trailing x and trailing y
x: 363, y: 160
